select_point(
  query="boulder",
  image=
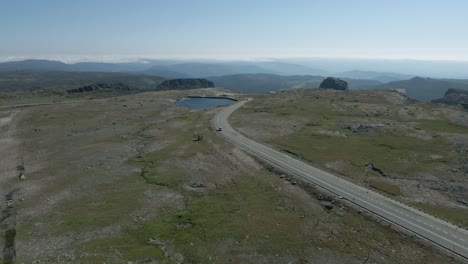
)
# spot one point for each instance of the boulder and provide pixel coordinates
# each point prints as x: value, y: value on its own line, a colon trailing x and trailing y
x: 334, y: 83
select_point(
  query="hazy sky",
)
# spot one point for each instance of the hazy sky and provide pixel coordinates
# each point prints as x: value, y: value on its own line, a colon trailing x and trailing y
x: 235, y: 29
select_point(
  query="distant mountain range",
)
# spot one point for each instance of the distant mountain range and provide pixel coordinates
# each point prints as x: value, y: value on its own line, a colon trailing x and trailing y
x: 422, y: 89
x: 381, y: 70
x: 47, y: 65
x: 199, y: 69
x: 426, y: 89
x: 32, y: 65
x: 263, y: 83
x: 243, y: 76
x: 372, y: 75
x: 164, y: 68
x: 193, y: 69
x: 66, y: 80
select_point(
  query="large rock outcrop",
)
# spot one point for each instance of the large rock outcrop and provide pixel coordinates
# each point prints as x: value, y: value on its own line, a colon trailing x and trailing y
x: 185, y: 84
x: 99, y: 87
x: 454, y: 97
x: 334, y: 83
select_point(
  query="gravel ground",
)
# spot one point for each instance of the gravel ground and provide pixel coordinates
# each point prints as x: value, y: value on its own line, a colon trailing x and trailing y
x: 121, y: 180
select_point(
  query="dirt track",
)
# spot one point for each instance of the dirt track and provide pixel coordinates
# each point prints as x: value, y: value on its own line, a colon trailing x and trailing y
x: 9, y: 151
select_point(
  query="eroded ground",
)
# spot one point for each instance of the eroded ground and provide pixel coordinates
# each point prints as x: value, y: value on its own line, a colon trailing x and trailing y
x: 122, y: 180
x: 414, y: 152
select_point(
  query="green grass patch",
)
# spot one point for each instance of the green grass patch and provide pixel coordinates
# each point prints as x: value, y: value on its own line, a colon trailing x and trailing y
x: 385, y: 186
x: 244, y: 210
x: 155, y: 165
x: 142, y: 133
x: 441, y: 125
x: 457, y: 216
x: 169, y: 177
x: 10, y: 235
x: 129, y: 249
x: 115, y: 139
x: 184, y: 117
x: 8, y: 250
x: 106, y: 206
x: 405, y: 154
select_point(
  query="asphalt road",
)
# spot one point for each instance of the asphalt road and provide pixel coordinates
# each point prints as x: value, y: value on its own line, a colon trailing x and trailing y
x: 439, y: 232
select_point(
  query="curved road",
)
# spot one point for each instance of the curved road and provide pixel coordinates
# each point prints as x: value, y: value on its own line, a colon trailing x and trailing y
x: 442, y: 233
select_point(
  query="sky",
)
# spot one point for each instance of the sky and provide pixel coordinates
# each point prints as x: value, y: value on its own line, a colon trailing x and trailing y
x: 234, y: 29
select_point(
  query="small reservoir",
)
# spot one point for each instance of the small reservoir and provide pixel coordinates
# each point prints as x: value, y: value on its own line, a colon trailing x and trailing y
x: 204, y: 102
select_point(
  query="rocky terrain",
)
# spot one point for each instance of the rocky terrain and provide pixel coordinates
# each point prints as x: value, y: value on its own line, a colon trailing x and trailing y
x: 34, y: 81
x: 185, y: 84
x: 425, y: 89
x: 414, y: 152
x: 454, y: 97
x: 128, y: 179
x: 100, y: 87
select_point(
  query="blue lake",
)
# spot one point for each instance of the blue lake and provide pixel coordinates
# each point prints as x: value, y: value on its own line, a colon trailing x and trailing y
x: 203, y: 102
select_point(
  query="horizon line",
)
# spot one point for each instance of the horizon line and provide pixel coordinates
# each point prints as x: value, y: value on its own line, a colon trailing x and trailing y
x: 72, y: 59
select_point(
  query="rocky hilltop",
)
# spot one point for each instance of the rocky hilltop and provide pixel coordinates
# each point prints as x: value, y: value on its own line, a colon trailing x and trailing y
x: 334, y: 83
x: 100, y: 86
x: 454, y: 97
x: 185, y: 84
x: 425, y: 89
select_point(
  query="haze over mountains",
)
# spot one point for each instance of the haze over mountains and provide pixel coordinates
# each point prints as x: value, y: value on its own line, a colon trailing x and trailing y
x: 382, y: 70
x: 263, y: 83
x: 49, y: 65
x: 245, y: 76
x: 372, y: 75
x: 426, y: 89
x: 174, y: 69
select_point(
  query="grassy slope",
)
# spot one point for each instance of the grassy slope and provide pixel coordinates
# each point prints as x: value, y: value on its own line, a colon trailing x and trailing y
x: 108, y: 183
x: 34, y: 81
x: 390, y: 148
